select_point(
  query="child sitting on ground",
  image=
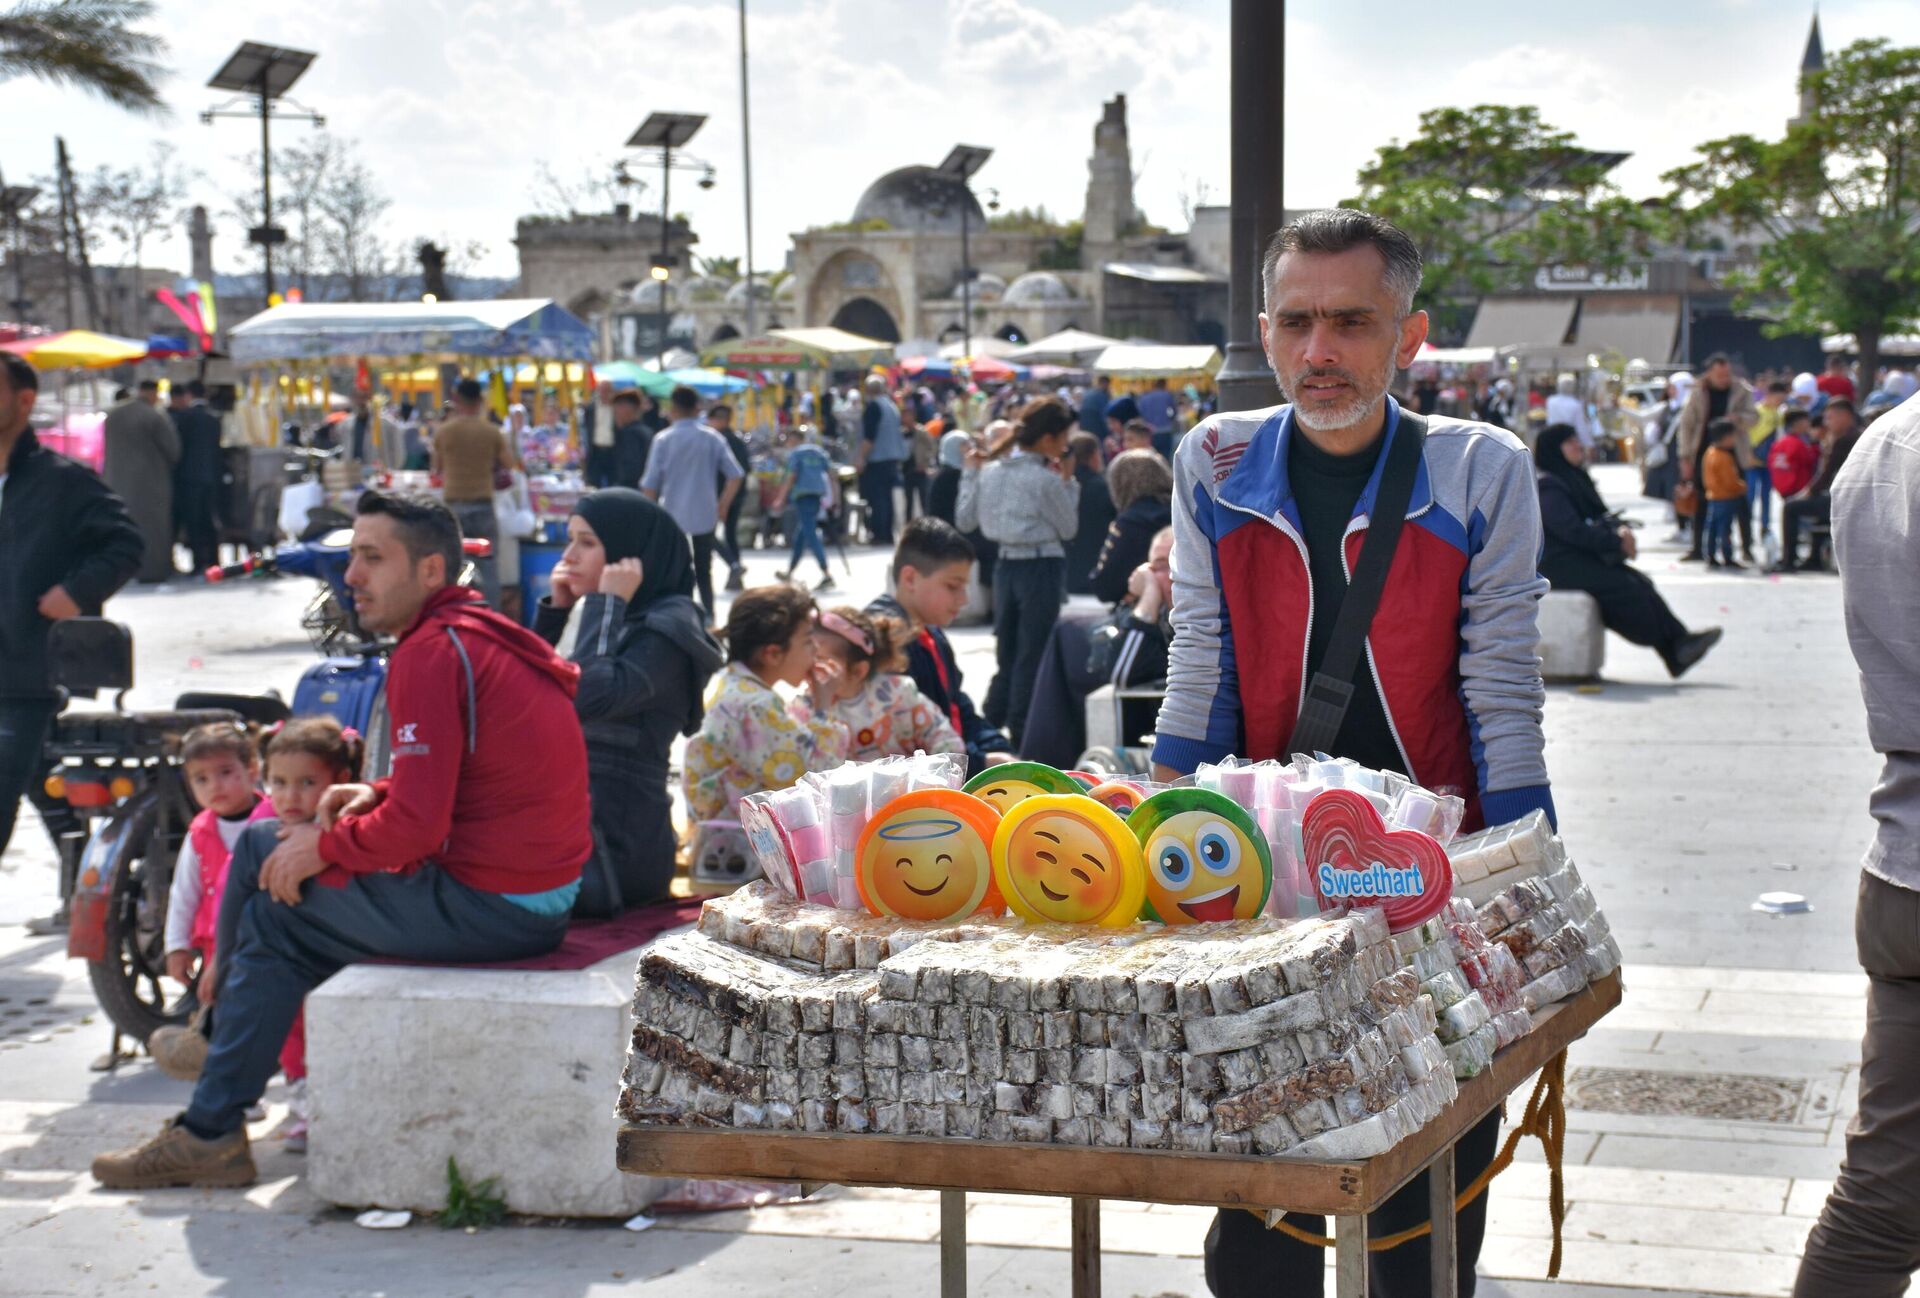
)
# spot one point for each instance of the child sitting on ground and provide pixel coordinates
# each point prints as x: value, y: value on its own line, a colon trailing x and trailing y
x: 1726, y: 492
x: 305, y: 757
x: 932, y: 567
x: 750, y: 740
x: 885, y: 715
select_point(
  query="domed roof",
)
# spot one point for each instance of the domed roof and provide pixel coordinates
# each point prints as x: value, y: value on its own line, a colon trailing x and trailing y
x: 647, y: 293
x: 703, y: 288
x: 1037, y: 286
x: 924, y: 199
x: 987, y: 287
x: 737, y: 295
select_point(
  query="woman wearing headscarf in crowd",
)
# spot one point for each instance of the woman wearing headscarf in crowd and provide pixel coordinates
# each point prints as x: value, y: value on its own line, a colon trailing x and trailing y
x: 1096, y: 512
x: 1587, y: 549
x: 622, y: 608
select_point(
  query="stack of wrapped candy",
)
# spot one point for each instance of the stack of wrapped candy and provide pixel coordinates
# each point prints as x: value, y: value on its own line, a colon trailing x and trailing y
x: 1302, y: 1038
x: 1276, y: 794
x: 1551, y: 926
x: 1491, y: 860
x: 816, y: 824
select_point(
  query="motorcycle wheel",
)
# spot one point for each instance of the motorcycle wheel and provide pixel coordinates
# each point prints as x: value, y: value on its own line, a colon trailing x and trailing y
x: 127, y: 982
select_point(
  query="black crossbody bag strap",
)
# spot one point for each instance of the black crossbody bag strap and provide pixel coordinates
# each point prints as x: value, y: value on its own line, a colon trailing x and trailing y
x: 1330, y: 692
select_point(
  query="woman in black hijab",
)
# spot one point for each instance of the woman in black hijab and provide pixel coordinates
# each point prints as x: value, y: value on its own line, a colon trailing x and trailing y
x: 1587, y: 549
x: 622, y: 608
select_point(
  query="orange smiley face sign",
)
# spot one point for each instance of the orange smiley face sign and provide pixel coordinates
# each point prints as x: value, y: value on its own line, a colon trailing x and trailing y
x: 927, y: 856
x: 1066, y: 859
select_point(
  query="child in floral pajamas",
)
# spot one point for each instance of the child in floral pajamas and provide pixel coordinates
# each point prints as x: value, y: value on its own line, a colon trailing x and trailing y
x: 885, y: 714
x: 751, y: 740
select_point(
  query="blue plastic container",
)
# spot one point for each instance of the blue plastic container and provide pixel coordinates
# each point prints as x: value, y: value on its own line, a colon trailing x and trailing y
x: 537, y: 561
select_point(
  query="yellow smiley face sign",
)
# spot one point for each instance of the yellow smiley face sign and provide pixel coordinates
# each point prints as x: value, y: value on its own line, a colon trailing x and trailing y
x: 1065, y: 859
x: 1206, y: 859
x: 927, y: 856
x: 1000, y: 787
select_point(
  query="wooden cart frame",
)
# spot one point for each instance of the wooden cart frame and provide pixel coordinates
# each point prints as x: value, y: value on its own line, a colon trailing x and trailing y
x: 1345, y: 1191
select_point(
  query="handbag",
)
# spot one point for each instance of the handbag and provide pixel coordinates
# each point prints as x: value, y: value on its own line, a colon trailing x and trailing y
x: 1330, y: 692
x: 1686, y: 500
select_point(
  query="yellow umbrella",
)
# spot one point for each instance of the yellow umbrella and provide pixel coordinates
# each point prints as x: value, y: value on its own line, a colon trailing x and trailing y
x: 77, y: 349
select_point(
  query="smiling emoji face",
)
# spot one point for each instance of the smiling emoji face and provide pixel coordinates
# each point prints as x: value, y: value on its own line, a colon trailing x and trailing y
x: 1001, y: 787
x: 1065, y: 859
x: 1206, y: 859
x: 927, y: 856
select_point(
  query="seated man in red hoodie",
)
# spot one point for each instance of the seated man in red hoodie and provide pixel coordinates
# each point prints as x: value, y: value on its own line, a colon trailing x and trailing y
x: 471, y: 851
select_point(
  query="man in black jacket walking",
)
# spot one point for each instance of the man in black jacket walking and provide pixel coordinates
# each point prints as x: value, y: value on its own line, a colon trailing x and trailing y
x: 196, y: 480
x: 69, y: 544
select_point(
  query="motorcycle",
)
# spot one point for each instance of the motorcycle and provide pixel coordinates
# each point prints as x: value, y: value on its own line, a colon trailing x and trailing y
x: 119, y: 774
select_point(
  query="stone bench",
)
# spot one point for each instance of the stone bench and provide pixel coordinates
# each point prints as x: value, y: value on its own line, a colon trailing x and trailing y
x: 1573, y: 639
x: 512, y: 1072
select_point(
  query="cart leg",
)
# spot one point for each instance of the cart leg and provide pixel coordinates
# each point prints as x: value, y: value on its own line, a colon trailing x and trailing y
x: 1443, y: 1253
x: 953, y: 1244
x: 1350, y: 1256
x: 1086, y: 1248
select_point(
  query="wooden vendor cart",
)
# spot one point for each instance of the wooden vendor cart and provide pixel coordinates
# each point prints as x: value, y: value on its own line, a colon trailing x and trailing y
x: 1346, y: 1191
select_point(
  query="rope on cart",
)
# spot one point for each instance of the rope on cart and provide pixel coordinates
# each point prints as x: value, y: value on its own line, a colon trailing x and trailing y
x: 1545, y: 1118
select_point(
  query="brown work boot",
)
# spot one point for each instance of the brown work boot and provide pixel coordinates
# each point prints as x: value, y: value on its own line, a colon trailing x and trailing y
x: 180, y: 1052
x: 177, y: 1157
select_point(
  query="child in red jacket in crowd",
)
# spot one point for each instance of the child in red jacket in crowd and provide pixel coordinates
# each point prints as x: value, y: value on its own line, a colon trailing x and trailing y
x: 305, y: 757
x: 1794, y: 458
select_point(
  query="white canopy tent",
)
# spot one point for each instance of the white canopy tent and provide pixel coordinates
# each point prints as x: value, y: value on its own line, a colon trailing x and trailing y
x: 1158, y: 360
x: 1074, y: 347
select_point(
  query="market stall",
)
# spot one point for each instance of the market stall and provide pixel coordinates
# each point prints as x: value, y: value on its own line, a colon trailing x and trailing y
x: 1281, y: 987
x: 1073, y: 348
x: 810, y: 355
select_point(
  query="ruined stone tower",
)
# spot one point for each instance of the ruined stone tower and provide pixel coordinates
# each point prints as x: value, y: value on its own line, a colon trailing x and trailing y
x: 1110, y: 212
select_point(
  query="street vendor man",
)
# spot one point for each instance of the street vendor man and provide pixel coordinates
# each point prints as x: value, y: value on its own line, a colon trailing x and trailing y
x: 470, y: 852
x: 1272, y: 513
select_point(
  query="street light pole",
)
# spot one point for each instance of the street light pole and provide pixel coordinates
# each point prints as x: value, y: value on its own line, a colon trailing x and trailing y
x: 966, y: 284
x: 961, y: 162
x: 1258, y: 115
x: 746, y: 172
x: 664, y: 267
x: 266, y: 179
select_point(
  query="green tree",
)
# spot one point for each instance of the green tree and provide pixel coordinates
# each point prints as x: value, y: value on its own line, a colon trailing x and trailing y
x: 1490, y: 192
x: 1836, y: 202
x: 86, y: 43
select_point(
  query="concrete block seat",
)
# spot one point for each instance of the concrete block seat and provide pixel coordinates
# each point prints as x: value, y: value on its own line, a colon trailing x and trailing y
x: 1573, y: 639
x: 512, y: 1070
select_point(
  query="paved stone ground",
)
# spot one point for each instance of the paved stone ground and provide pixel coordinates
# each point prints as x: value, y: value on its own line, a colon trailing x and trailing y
x: 1681, y: 802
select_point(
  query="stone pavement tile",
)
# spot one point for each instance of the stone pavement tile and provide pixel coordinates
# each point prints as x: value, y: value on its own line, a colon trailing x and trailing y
x: 1583, y: 1120
x: 1749, y: 1023
x: 844, y: 1218
x: 1807, y: 1197
x: 1676, y: 1227
x: 1707, y: 1052
x: 1670, y: 1000
x: 1653, y: 1187
x: 1715, y: 1271
x: 1507, y: 1288
x: 1844, y: 1008
x: 1578, y: 1149
x: 1723, y: 1156
x: 1788, y: 982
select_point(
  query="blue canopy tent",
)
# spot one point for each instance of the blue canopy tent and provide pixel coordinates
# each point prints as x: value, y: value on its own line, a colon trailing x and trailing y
x: 530, y: 328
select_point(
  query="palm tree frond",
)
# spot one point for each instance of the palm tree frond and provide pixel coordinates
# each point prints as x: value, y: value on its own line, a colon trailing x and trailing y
x: 86, y: 43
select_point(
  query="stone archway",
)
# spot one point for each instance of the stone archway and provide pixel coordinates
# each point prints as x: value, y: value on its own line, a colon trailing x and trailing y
x: 1011, y: 333
x: 868, y: 318
x: 723, y: 333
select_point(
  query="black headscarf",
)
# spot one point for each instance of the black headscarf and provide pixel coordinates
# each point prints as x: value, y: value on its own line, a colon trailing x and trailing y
x: 632, y: 527
x: 1550, y: 457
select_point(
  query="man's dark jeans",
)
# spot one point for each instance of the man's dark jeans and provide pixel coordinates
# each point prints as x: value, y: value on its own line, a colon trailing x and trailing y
x: 194, y: 505
x: 23, y: 734
x: 1796, y: 514
x: 703, y: 547
x: 1247, y: 1260
x: 272, y: 955
x: 877, y: 482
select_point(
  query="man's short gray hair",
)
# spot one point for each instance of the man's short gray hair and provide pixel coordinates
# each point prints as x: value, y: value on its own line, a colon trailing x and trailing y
x: 1336, y: 229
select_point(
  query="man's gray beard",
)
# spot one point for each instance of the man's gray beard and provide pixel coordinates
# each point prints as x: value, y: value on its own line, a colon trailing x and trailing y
x: 1322, y: 421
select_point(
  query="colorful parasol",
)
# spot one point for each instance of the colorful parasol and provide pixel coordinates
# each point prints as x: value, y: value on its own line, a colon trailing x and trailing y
x: 77, y: 349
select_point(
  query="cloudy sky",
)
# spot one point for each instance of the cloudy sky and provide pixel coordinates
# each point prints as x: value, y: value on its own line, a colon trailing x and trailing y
x: 456, y: 103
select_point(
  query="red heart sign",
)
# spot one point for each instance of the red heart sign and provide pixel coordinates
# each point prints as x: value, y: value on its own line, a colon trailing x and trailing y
x: 1354, y: 860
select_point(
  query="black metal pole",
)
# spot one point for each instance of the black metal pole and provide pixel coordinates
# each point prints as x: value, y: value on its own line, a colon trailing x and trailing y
x: 266, y: 186
x: 666, y: 187
x: 1258, y: 116
x: 746, y: 171
x: 966, y: 277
